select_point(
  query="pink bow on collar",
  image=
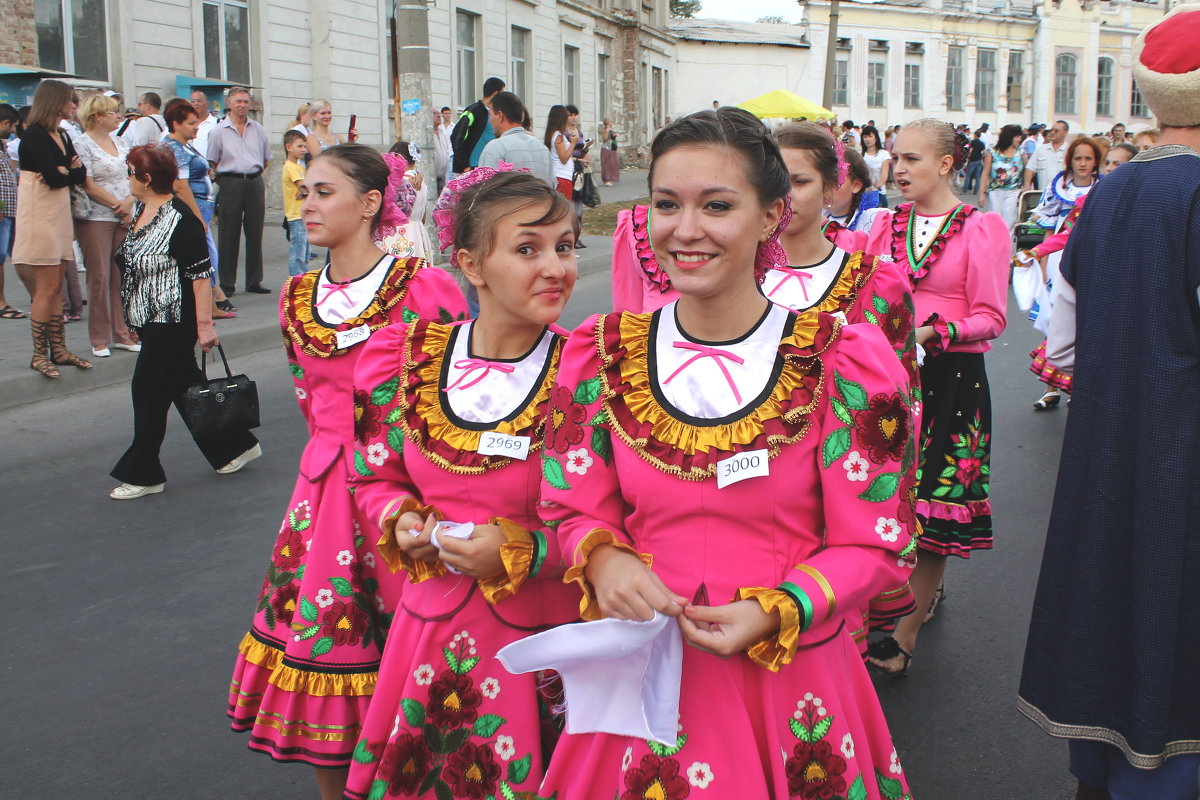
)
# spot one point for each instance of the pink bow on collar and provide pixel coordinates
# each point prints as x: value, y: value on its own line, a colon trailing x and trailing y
x: 716, y: 354
x: 473, y: 365
x: 335, y: 288
x: 790, y: 273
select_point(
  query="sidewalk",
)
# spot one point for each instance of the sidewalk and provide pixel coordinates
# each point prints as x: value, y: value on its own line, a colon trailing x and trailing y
x: 255, y: 328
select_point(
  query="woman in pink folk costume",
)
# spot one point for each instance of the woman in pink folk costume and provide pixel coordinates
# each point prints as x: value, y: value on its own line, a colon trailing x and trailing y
x: 468, y: 403
x: 306, y: 670
x: 693, y: 456
x: 958, y: 258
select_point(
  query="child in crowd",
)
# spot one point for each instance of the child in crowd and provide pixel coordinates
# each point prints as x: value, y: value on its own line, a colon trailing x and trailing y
x: 296, y: 147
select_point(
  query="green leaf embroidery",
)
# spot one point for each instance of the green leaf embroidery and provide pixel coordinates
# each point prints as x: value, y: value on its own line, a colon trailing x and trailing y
x: 395, y: 439
x: 941, y: 491
x: 800, y: 730
x: 297, y: 371
x: 444, y: 316
x: 486, y: 725
x: 467, y: 664
x: 414, y: 712
x: 948, y: 472
x: 408, y: 315
x: 957, y: 491
x: 363, y: 754
x: 871, y: 318
x: 858, y: 790
x: 263, y: 602
x: 454, y: 740
x: 322, y: 646
x: 836, y: 445
x: 306, y: 631
x: 599, y: 418
x: 283, y: 578
x: 433, y: 737
x: 822, y: 727
x: 587, y: 392
x: 890, y: 788
x: 518, y: 770
x: 430, y: 777
x: 854, y: 394
x: 506, y: 791
x: 269, y: 616
x: 841, y: 412
x: 441, y: 790
x: 385, y: 392
x: 392, y: 417
x: 552, y: 471
x: 880, y: 304
x: 602, y: 444
x: 662, y: 751
x: 881, y: 488
x: 360, y: 465
x: 300, y: 572
x: 370, y: 585
x: 307, y: 609
x: 451, y: 659
x: 378, y: 790
x: 342, y: 587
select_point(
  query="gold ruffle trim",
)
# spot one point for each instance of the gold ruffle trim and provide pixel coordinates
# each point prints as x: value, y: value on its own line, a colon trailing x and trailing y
x: 846, y: 288
x: 780, y: 649
x: 517, y: 556
x: 296, y: 681
x: 394, y: 556
x: 589, y: 607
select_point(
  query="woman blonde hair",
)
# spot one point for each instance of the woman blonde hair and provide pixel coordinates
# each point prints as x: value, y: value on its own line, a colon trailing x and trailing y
x: 93, y: 107
x: 317, y: 106
x: 48, y: 102
x: 304, y: 108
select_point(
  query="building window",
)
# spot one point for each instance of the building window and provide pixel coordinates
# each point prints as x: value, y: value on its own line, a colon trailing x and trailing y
x: 985, y: 80
x: 602, y: 85
x: 227, y: 40
x: 1137, y: 104
x: 841, y: 82
x: 71, y: 37
x: 520, y: 63
x: 954, y: 78
x: 912, y: 85
x: 1066, y: 73
x: 571, y: 76
x: 1016, y: 81
x: 876, y: 84
x: 657, y: 98
x: 466, y: 57
x: 1104, y: 87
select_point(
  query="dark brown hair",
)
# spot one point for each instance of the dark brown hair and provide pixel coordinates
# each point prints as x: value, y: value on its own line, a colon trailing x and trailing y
x: 155, y: 162
x: 482, y: 205
x: 365, y: 168
x: 177, y: 111
x: 816, y: 141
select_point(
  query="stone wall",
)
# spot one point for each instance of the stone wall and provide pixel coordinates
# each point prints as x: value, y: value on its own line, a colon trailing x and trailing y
x: 18, y: 45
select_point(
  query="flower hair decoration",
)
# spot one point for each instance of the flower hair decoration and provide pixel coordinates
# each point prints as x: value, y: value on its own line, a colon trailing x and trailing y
x: 391, y: 216
x: 770, y: 253
x: 446, y: 209
x: 839, y: 150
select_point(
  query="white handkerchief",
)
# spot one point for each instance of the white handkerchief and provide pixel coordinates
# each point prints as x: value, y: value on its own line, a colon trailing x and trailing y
x: 619, y: 676
x: 455, y: 530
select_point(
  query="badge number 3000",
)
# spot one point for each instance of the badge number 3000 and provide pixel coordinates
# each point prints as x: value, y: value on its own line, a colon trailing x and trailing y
x: 503, y: 444
x: 739, y: 467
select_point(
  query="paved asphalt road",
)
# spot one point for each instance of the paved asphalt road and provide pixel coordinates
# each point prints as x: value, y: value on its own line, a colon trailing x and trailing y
x: 121, y: 619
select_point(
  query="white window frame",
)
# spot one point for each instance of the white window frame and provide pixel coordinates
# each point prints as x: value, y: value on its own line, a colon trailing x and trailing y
x: 1015, y: 84
x: 67, y: 31
x: 1137, y: 103
x: 954, y: 77
x: 841, y: 81
x: 570, y: 75
x: 466, y: 56
x: 1066, y: 84
x: 519, y: 65
x: 985, y: 79
x: 1105, y: 80
x: 221, y: 38
x: 876, y: 84
x: 912, y: 84
x: 602, y: 71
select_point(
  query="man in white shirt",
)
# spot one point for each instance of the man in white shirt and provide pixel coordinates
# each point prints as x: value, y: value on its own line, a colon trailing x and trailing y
x: 199, y: 101
x: 150, y: 127
x: 1049, y: 158
x: 443, y: 123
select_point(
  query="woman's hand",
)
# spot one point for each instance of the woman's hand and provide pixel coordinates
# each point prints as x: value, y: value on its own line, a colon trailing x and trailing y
x: 626, y: 588
x: 924, y: 334
x: 982, y: 200
x: 419, y: 547
x: 352, y: 135
x: 417, y: 180
x: 477, y: 556
x: 729, y: 629
x: 206, y: 334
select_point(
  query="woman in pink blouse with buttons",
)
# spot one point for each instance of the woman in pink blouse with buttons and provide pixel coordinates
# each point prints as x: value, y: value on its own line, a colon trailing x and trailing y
x: 958, y: 258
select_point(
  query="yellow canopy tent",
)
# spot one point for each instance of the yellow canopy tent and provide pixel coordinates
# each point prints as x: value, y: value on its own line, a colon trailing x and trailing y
x: 781, y: 103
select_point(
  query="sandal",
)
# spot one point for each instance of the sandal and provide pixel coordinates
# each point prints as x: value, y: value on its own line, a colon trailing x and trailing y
x: 938, y: 598
x: 1047, y: 401
x: 8, y: 312
x: 226, y: 306
x: 886, y: 649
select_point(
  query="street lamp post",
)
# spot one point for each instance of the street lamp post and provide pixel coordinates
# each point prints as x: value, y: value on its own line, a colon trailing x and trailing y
x: 830, y: 55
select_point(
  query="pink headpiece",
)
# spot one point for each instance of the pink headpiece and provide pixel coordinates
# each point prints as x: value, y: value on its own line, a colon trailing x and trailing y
x: 445, y: 210
x: 843, y: 166
x: 391, y: 217
x: 770, y: 253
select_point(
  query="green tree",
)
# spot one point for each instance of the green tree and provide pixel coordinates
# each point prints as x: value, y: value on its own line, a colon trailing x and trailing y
x: 685, y: 9
x: 773, y: 18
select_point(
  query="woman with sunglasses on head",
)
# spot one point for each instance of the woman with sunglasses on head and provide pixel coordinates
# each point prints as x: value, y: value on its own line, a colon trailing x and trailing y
x: 774, y: 698
x: 312, y: 654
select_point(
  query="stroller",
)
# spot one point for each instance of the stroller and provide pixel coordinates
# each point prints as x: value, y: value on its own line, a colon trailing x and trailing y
x: 1026, y: 233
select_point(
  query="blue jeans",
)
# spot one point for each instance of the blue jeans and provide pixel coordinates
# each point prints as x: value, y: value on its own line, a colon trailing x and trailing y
x: 974, y: 173
x: 298, y: 249
x: 1101, y: 766
x: 6, y: 238
x: 206, y: 213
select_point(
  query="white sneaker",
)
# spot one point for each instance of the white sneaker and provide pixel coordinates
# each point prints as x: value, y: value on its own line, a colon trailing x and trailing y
x: 136, y: 347
x: 241, y: 461
x: 101, y: 352
x: 128, y: 491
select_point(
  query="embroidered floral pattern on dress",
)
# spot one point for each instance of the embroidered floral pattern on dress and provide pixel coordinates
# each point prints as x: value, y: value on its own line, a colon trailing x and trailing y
x: 880, y: 426
x: 281, y: 587
x: 814, y: 771
x: 966, y: 475
x: 567, y: 415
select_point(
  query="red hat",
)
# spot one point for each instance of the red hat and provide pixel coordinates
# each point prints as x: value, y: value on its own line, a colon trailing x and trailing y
x: 1166, y: 66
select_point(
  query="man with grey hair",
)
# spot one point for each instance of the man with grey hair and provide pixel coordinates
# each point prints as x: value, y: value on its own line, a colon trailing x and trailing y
x: 239, y: 150
x: 208, y: 121
x: 150, y: 127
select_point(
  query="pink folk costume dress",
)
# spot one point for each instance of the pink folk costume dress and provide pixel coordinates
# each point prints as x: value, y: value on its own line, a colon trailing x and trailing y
x: 447, y: 720
x: 960, y: 266
x: 1046, y: 372
x: 645, y: 419
x: 306, y: 670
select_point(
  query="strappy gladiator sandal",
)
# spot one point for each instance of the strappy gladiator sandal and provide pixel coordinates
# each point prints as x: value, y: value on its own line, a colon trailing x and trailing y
x: 41, y: 359
x: 1047, y: 401
x: 886, y: 649
x: 56, y: 336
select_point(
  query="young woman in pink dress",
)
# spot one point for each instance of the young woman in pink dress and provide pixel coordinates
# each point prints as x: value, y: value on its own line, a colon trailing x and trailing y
x: 958, y: 258
x: 468, y: 404
x: 306, y: 670
x: 792, y: 415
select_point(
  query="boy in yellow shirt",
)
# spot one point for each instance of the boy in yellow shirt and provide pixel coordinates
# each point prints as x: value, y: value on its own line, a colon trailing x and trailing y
x: 293, y: 172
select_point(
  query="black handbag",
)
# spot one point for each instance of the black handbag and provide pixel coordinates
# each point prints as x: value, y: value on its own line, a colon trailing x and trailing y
x: 221, y: 404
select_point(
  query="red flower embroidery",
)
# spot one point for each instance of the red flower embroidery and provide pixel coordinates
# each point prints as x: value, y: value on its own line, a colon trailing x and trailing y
x: 356, y: 574
x: 897, y: 326
x: 656, y: 779
x: 566, y: 419
x: 405, y: 763
x: 367, y: 418
x: 814, y: 772
x: 289, y: 550
x: 453, y: 701
x: 472, y: 771
x: 345, y: 622
x: 284, y: 602
x: 883, y: 427
x: 968, y: 470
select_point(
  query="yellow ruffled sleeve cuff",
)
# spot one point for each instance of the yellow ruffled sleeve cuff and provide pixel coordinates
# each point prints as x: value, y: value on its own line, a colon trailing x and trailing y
x: 522, y: 555
x: 589, y: 608
x: 780, y: 649
x: 395, y: 558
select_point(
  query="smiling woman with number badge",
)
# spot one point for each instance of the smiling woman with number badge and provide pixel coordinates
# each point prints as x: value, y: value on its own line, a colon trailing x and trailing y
x: 306, y: 670
x: 741, y: 468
